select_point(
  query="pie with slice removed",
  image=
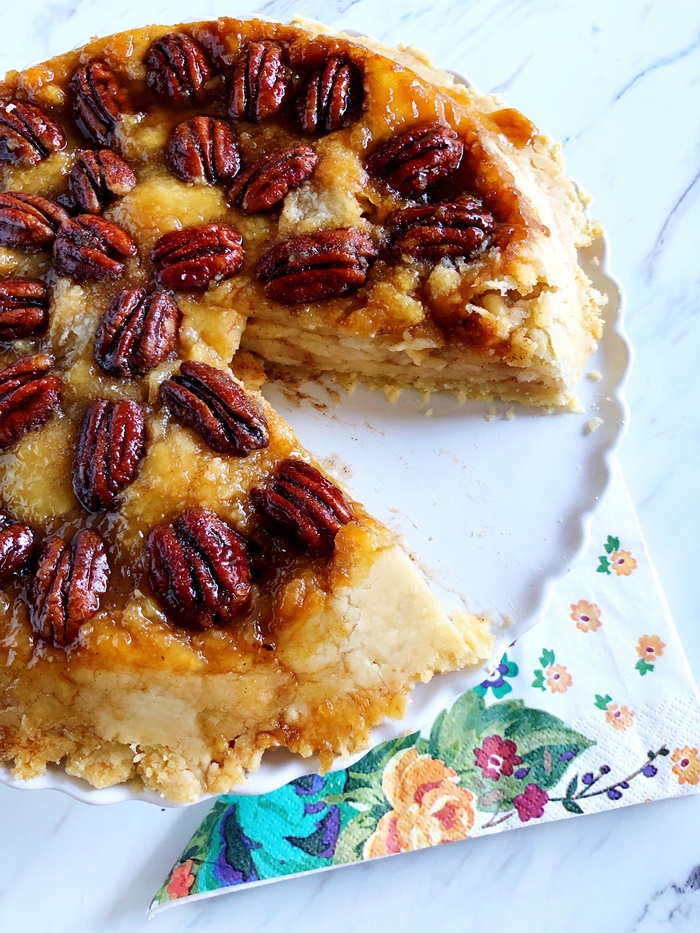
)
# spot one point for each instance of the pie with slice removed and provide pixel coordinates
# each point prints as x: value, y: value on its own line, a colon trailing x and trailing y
x: 185, y: 212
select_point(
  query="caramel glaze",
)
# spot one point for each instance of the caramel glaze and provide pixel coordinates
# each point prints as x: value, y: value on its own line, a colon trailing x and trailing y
x: 285, y: 581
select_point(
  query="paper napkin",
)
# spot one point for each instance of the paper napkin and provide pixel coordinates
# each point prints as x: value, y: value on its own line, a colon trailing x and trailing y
x: 593, y: 709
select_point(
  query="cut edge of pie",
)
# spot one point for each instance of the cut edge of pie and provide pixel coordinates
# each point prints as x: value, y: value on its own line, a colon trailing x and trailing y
x: 548, y: 312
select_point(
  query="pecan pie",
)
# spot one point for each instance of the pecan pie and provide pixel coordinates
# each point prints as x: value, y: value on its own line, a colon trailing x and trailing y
x: 183, y: 587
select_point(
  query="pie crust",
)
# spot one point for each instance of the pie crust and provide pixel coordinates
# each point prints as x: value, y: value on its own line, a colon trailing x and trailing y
x: 330, y: 645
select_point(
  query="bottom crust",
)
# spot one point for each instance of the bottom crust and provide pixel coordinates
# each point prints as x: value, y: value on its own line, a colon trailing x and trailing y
x: 183, y: 734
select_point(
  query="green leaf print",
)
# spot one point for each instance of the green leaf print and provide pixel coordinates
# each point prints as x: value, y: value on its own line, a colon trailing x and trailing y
x: 602, y: 702
x: 365, y: 797
x: 456, y: 732
x: 368, y: 771
x: 604, y: 566
x: 612, y: 544
x: 291, y: 829
x: 316, y: 843
x: 643, y: 666
x: 538, y: 682
x: 544, y: 743
x: 353, y: 837
x: 547, y: 658
x: 238, y: 854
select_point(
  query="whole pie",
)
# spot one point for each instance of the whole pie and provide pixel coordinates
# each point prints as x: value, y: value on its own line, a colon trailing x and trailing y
x: 185, y: 212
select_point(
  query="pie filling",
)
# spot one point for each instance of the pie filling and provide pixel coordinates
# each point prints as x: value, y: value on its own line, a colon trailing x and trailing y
x: 182, y: 586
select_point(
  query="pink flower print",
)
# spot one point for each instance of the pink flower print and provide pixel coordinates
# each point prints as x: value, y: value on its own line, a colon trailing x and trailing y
x: 497, y: 757
x: 531, y: 803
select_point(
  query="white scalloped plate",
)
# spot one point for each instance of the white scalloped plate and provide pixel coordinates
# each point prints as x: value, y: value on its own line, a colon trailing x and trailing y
x: 498, y: 507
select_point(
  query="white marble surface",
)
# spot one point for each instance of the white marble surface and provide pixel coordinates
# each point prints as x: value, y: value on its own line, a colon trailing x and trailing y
x: 620, y: 83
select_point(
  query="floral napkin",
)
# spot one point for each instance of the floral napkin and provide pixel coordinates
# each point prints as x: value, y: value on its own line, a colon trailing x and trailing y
x: 593, y: 709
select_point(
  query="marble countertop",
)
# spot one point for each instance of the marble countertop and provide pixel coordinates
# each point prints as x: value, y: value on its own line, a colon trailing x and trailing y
x: 619, y: 83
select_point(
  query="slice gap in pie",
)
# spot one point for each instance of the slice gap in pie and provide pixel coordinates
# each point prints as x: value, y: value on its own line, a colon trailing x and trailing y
x: 183, y: 586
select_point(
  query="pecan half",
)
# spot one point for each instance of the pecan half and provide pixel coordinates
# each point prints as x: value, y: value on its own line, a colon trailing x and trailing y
x: 136, y: 333
x: 97, y: 177
x: 28, y: 221
x: 268, y: 181
x: 199, y: 568
x: 28, y: 396
x: 197, y: 256
x: 259, y: 82
x: 459, y: 228
x: 212, y: 403
x: 111, y: 444
x: 16, y: 545
x: 24, y: 308
x: 305, y: 504
x: 90, y: 247
x: 332, y: 98
x: 413, y: 163
x: 177, y: 68
x: 316, y: 266
x: 99, y: 102
x: 203, y: 150
x: 27, y: 135
x: 66, y: 586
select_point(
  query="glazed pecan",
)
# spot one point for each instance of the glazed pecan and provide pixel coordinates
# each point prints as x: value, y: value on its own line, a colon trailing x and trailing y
x: 90, y: 247
x: 459, y: 228
x: 111, y: 444
x: 97, y: 177
x: 413, y: 163
x: 136, y: 333
x: 305, y: 504
x: 203, y: 150
x: 199, y: 568
x: 332, y: 98
x: 28, y: 396
x: 99, y: 102
x: 259, y: 82
x: 210, y: 402
x: 177, y: 68
x: 27, y: 135
x: 316, y: 266
x: 268, y: 180
x: 28, y: 221
x: 197, y: 256
x: 66, y: 586
x: 24, y: 308
x: 16, y: 545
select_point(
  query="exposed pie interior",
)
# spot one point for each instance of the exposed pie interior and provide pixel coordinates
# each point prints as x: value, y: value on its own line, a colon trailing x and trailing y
x: 183, y: 209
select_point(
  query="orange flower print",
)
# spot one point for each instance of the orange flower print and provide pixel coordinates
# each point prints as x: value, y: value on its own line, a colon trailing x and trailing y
x: 429, y: 806
x: 650, y: 647
x: 687, y: 765
x: 619, y: 717
x: 622, y: 563
x: 558, y: 678
x: 586, y: 616
x: 181, y: 880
